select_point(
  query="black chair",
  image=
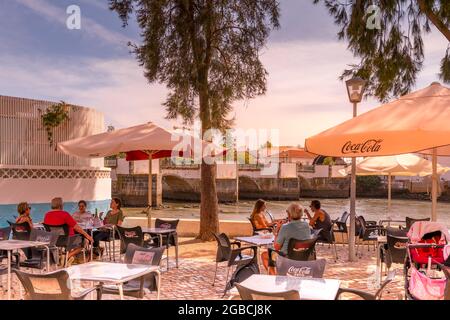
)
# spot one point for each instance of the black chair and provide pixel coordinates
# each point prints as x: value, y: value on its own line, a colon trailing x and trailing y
x: 167, y: 241
x: 327, y: 237
x: 249, y: 294
x: 394, y: 251
x: 231, y: 253
x: 4, y: 235
x: 299, y: 250
x: 367, y: 295
x: 302, y: 269
x: 256, y: 230
x: 65, y: 242
x: 51, y: 286
x: 21, y: 231
x: 39, y: 255
x: 368, y: 232
x: 410, y: 221
x: 341, y: 226
x: 130, y: 235
x: 139, y: 255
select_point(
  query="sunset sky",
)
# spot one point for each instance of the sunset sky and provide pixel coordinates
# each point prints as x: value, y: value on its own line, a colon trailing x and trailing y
x: 40, y: 58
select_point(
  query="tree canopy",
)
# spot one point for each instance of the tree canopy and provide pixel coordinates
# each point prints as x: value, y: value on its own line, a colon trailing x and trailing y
x: 388, y: 37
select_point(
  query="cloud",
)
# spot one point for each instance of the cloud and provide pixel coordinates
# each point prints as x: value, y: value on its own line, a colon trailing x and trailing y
x: 90, y: 27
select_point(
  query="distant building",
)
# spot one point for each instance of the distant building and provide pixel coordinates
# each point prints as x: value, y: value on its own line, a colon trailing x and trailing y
x: 32, y: 170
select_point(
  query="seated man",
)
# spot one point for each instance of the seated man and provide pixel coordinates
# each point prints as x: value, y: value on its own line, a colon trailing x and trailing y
x: 320, y: 220
x: 57, y: 217
x: 295, y: 228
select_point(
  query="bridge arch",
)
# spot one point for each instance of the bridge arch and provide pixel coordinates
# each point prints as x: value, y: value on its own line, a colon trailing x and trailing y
x: 175, y: 183
x: 248, y: 184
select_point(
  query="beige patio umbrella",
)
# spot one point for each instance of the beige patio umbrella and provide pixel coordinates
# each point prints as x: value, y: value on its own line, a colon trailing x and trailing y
x: 416, y: 122
x: 405, y: 165
x: 143, y: 142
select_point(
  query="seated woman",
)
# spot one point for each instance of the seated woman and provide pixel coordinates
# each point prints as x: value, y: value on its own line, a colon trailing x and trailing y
x: 320, y: 220
x: 258, y: 218
x: 82, y: 215
x: 296, y: 229
x: 113, y: 217
x: 24, y: 214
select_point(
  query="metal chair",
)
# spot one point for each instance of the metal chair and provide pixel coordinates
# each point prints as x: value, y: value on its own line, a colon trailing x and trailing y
x: 51, y: 286
x: 21, y: 231
x: 139, y: 255
x: 302, y: 250
x: 249, y: 294
x: 367, y: 231
x: 256, y: 230
x: 38, y: 255
x: 410, y: 221
x: 168, y: 241
x: 65, y: 242
x: 341, y: 226
x: 303, y: 269
x: 366, y: 295
x: 232, y: 256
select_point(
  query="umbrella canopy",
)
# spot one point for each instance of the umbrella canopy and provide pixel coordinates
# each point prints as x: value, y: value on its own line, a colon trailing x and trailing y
x: 417, y: 122
x: 142, y: 142
x: 406, y: 165
x: 138, y: 142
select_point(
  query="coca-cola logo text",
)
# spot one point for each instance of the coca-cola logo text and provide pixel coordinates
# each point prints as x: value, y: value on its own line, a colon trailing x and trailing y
x: 371, y: 145
x: 302, y: 272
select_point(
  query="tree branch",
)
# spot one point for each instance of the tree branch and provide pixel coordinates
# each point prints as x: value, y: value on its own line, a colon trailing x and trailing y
x: 433, y: 17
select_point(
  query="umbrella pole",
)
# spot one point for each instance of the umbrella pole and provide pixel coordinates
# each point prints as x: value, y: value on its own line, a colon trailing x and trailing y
x: 434, y: 187
x: 389, y: 192
x: 150, y: 189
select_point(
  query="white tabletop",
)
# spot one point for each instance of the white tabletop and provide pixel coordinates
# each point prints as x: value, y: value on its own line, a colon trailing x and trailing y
x: 20, y: 244
x: 109, y: 272
x: 308, y: 288
x: 257, y: 240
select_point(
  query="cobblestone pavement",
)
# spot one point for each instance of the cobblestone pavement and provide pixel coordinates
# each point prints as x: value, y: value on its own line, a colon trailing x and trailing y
x: 193, y: 279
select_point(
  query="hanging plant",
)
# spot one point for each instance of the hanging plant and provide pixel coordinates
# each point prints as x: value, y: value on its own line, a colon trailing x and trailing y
x: 53, y: 117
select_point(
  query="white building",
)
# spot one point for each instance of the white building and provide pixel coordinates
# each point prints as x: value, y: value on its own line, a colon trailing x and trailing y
x: 32, y: 170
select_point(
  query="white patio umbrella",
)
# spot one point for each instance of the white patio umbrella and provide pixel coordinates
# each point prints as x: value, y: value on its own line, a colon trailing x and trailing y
x: 405, y: 165
x: 143, y: 142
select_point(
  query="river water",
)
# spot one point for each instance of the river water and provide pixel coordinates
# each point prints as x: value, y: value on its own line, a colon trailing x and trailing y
x: 371, y: 209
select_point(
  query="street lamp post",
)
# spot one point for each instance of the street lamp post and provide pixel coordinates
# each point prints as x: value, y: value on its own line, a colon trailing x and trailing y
x: 355, y: 90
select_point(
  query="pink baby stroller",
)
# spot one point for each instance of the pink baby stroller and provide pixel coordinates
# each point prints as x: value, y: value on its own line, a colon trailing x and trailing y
x: 427, y: 252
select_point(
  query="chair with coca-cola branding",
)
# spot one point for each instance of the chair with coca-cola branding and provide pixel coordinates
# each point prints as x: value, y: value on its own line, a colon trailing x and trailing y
x: 302, y: 269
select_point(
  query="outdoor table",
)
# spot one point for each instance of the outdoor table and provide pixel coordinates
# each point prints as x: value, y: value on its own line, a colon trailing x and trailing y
x: 259, y: 242
x: 381, y: 241
x: 308, y: 288
x: 160, y: 232
x: 39, y: 226
x: 11, y: 245
x: 112, y: 273
x: 389, y: 221
x: 91, y: 227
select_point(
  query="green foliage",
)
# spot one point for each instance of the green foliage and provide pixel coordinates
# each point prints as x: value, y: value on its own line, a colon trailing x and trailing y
x: 328, y: 161
x: 53, y: 117
x: 368, y: 183
x: 390, y: 57
x: 205, y: 51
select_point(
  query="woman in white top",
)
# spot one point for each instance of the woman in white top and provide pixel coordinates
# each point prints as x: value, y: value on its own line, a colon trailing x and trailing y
x: 82, y: 216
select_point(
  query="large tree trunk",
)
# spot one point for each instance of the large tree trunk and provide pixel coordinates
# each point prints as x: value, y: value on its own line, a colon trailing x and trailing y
x: 209, y: 208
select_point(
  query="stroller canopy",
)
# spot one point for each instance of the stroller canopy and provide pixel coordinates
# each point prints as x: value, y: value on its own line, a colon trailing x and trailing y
x: 421, y: 228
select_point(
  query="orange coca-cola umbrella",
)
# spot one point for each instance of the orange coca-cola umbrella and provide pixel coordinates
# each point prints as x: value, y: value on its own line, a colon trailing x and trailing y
x: 415, y: 123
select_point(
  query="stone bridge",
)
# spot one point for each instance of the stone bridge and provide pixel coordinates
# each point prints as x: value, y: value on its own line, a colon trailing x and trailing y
x: 182, y: 183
